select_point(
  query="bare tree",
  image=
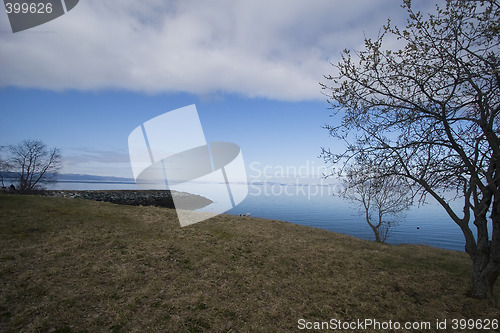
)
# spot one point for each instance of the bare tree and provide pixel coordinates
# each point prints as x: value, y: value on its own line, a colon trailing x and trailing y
x: 383, y: 200
x: 34, y: 164
x: 4, y: 167
x: 430, y: 113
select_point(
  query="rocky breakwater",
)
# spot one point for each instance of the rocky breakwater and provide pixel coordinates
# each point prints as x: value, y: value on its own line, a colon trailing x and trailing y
x: 156, y: 198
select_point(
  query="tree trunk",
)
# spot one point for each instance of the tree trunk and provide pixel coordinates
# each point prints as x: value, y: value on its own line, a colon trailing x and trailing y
x: 377, y: 235
x: 486, y: 258
x: 374, y: 228
x: 483, y: 277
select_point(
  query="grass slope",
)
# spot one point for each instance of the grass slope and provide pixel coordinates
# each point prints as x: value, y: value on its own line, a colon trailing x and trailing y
x: 69, y: 265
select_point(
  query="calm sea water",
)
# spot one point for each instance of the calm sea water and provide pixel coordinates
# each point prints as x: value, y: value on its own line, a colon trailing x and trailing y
x: 428, y: 224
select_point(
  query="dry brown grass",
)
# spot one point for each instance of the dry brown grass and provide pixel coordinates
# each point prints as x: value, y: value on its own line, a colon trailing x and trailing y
x: 69, y: 265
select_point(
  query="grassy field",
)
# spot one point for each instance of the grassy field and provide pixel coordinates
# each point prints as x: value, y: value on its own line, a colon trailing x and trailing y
x: 69, y: 265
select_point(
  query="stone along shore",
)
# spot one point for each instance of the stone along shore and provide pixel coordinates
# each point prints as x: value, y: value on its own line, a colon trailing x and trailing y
x: 156, y: 198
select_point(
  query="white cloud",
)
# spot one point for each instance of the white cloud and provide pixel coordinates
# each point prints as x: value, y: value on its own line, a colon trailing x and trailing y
x: 101, y: 162
x: 276, y: 49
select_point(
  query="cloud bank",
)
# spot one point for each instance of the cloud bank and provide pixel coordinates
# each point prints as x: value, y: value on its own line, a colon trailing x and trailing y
x: 276, y: 49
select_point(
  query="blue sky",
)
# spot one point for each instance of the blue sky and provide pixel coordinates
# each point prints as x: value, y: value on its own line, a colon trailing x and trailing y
x: 92, y: 128
x: 84, y: 81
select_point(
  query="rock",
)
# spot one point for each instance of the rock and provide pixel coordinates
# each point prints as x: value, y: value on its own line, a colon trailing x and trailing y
x: 156, y: 198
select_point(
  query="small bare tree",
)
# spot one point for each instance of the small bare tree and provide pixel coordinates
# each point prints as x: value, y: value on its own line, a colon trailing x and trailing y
x: 383, y: 200
x: 34, y: 164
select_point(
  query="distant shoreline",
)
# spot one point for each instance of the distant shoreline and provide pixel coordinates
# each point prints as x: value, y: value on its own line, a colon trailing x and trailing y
x: 96, y: 181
